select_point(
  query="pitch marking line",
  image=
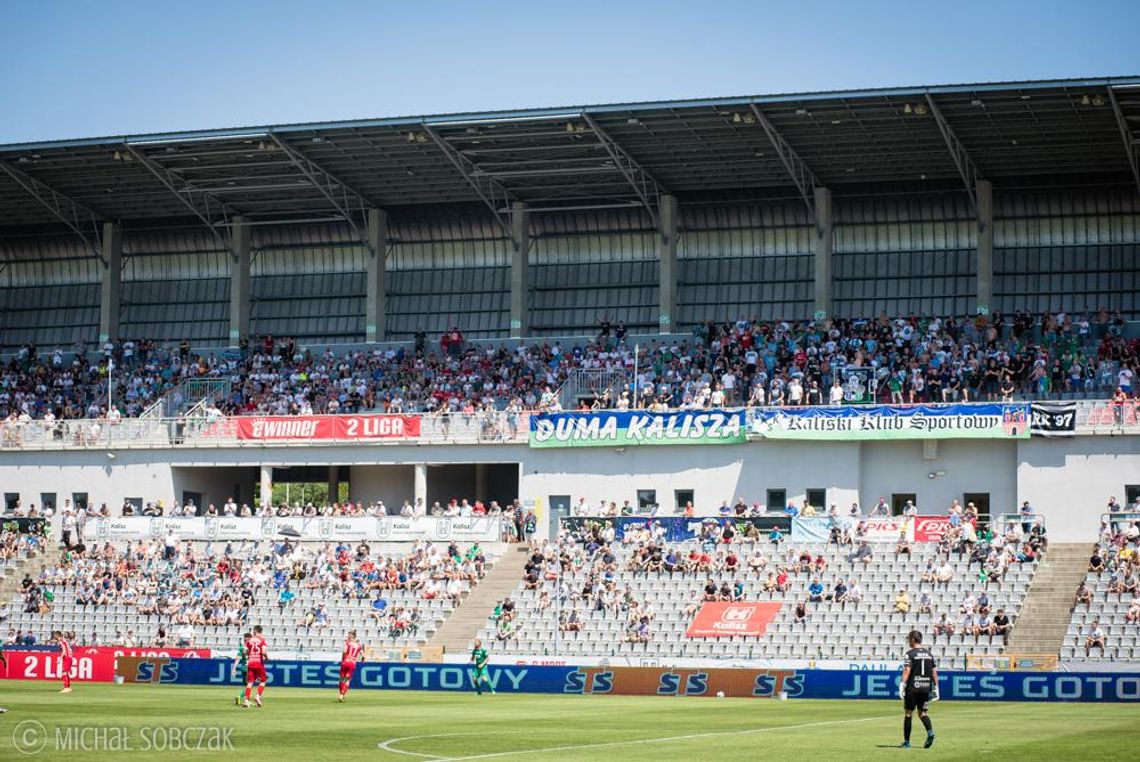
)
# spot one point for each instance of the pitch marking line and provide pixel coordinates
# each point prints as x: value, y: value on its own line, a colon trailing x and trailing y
x: 387, y: 745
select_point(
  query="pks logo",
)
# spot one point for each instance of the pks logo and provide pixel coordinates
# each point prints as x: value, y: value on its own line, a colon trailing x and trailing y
x: 589, y: 681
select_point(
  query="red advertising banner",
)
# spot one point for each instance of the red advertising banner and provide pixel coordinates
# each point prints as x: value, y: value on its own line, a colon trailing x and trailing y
x: 48, y: 665
x: 294, y: 427
x: 145, y: 651
x: 930, y: 528
x: 723, y: 619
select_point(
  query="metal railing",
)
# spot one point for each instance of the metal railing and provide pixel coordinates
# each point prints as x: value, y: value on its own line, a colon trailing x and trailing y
x: 452, y: 428
x: 496, y: 427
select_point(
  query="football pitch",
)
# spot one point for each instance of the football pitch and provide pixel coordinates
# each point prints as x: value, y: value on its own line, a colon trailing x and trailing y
x: 102, y: 721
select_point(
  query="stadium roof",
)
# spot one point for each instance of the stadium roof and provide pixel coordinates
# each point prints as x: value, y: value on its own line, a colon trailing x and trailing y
x: 576, y: 157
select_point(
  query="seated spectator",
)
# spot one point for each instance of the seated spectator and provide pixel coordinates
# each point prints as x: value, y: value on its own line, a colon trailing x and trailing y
x: 863, y: 553
x: 1084, y: 595
x: 925, y: 603
x: 943, y: 627
x: 1096, y: 562
x: 1133, y: 614
x: 902, y: 602
x: 1002, y: 626
x: 1095, y: 638
x: 815, y: 591
x: 983, y: 625
x: 799, y: 615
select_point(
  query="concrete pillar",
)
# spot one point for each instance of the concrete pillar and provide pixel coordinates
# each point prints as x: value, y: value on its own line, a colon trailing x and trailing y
x: 111, y: 282
x: 520, y: 277
x: 824, y: 246
x: 667, y: 259
x: 481, y: 482
x: 984, y: 193
x: 419, y: 488
x: 334, y: 484
x: 265, y: 491
x: 376, y: 287
x: 239, y: 280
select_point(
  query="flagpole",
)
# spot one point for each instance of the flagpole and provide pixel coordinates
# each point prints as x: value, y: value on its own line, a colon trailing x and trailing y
x: 636, y: 351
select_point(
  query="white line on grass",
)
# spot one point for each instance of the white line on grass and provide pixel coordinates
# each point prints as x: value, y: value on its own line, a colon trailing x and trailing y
x: 387, y: 745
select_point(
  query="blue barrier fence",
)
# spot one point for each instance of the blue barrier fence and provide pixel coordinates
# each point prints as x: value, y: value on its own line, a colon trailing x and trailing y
x: 761, y: 683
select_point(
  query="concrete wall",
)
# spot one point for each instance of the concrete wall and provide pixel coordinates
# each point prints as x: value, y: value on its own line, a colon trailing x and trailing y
x: 959, y: 466
x: 391, y: 484
x: 1066, y: 480
x: 1070, y: 481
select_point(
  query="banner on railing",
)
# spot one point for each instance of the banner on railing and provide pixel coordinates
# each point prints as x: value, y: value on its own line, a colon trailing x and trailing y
x: 930, y: 528
x: 720, y: 619
x: 653, y: 681
x: 48, y: 665
x: 24, y: 524
x: 322, y: 528
x: 304, y: 427
x: 679, y: 529
x: 980, y: 421
x: 1053, y: 419
x: 625, y: 428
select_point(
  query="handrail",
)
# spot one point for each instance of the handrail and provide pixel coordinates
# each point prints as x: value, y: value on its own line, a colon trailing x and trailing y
x: 497, y: 427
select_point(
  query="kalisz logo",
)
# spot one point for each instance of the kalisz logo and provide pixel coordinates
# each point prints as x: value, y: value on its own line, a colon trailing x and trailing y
x: 268, y: 528
x: 738, y: 614
x: 383, y: 528
x: 443, y: 529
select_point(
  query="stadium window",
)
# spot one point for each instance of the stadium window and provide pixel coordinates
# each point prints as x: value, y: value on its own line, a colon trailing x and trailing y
x: 79, y: 500
x: 646, y: 499
x: 817, y: 498
x: 898, y: 501
x: 47, y: 501
x: 981, y: 501
x: 10, y: 500
x: 777, y: 499
x: 1131, y: 492
x: 681, y: 498
x: 136, y: 503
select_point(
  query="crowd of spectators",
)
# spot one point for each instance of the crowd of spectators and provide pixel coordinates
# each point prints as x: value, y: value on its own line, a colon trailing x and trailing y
x: 733, y: 363
x: 187, y: 585
x: 1117, y: 556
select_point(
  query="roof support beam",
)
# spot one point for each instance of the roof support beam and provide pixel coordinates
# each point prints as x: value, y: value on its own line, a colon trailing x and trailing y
x: 204, y: 206
x: 644, y: 186
x: 489, y: 191
x: 1130, y: 141
x: 966, y: 167
x: 343, y: 198
x: 805, y: 180
x: 70, y: 212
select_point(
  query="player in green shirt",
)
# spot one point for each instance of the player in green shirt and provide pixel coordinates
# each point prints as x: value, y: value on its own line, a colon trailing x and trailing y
x: 480, y: 657
x: 239, y: 669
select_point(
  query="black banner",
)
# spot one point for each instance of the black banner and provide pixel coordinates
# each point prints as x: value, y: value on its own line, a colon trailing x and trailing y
x: 1053, y: 419
x: 24, y: 525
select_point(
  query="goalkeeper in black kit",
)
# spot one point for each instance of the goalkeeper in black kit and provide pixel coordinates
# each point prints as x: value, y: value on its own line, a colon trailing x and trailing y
x: 918, y: 687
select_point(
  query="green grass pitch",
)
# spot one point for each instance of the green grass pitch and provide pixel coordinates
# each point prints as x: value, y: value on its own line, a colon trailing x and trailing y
x: 306, y: 724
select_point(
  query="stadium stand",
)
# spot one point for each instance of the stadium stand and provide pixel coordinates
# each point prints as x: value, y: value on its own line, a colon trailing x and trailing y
x: 753, y: 362
x: 1105, y: 621
x: 304, y: 594
x: 591, y: 595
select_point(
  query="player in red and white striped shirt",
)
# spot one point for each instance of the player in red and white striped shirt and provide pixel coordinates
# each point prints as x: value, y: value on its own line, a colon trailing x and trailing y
x: 66, y: 659
x: 353, y: 654
x: 256, y: 652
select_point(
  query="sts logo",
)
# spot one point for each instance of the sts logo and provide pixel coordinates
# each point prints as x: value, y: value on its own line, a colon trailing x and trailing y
x: 589, y: 681
x: 768, y: 684
x: 148, y: 669
x: 683, y: 684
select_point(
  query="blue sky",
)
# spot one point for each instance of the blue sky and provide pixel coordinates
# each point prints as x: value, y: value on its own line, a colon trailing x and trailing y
x: 78, y: 68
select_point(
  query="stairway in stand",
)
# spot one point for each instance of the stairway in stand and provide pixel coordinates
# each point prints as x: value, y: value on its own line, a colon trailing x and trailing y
x: 1045, y: 615
x: 468, y: 618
